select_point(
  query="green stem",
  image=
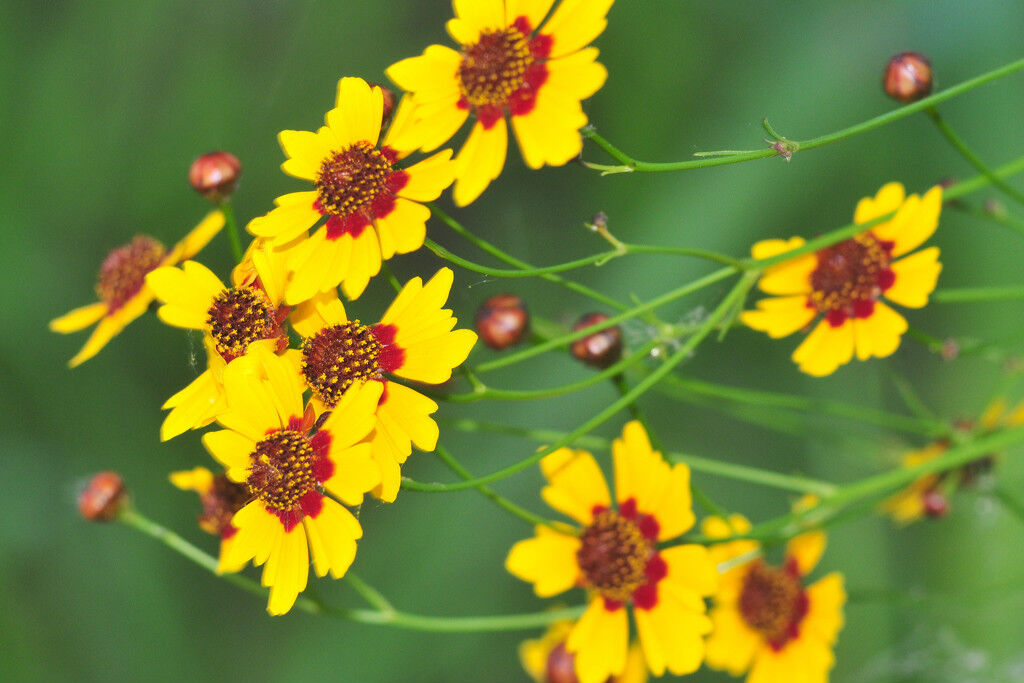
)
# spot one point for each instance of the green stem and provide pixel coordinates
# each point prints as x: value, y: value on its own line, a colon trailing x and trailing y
x: 518, y: 272
x: 972, y: 158
x: 1012, y: 224
x: 371, y: 595
x: 385, y: 616
x: 482, y: 392
x: 680, y: 292
x: 232, y: 229
x: 720, y: 468
x: 1010, y: 502
x: 738, y: 292
x: 390, y: 277
x: 512, y: 260
x: 631, y: 164
x: 534, y: 520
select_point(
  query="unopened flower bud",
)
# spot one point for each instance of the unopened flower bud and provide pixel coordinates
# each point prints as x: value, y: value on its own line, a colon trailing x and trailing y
x: 389, y: 103
x: 561, y: 666
x: 908, y: 77
x: 103, y: 497
x: 935, y: 504
x: 215, y: 175
x: 601, y: 349
x: 502, y: 320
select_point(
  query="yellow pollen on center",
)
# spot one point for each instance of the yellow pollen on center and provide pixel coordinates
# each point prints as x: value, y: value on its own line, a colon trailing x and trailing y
x: 281, y: 469
x: 494, y: 67
x: 238, y: 317
x: 349, y: 180
x: 337, y: 357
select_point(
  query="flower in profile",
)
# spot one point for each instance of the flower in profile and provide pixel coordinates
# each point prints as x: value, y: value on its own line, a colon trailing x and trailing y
x: 507, y: 65
x: 414, y: 340
x: 930, y: 495
x: 616, y: 557
x: 122, y: 289
x: 371, y: 204
x: 220, y: 497
x: 767, y: 620
x: 546, y: 660
x: 231, y: 319
x: 287, y: 462
x: 845, y: 283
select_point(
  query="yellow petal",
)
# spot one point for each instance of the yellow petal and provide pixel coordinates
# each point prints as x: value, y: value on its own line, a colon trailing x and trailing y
x: 916, y: 276
x: 825, y: 609
x: 879, y: 334
x: 690, y: 567
x: 230, y: 449
x: 780, y: 316
x: 732, y: 643
x: 672, y: 636
x: 199, y: 480
x: 576, y: 484
x: 480, y: 161
x: 107, y: 329
x: 474, y: 16
x: 195, y: 406
x: 306, y: 152
x: 197, y: 238
x: 258, y: 532
x: 889, y: 198
x: 549, y: 133
x: 429, y: 178
x: 355, y: 473
x: 825, y: 349
x: 658, y: 490
x: 359, y: 109
x: 405, y: 226
x: 600, y: 641
x: 364, y: 264
x: 287, y: 221
x: 575, y: 23
x: 574, y: 77
x: 316, y: 265
x: 548, y: 561
x: 914, y: 223
x: 287, y: 571
x: 80, y: 318
x: 353, y: 417
x: 806, y: 549
x: 187, y: 293
x: 332, y: 539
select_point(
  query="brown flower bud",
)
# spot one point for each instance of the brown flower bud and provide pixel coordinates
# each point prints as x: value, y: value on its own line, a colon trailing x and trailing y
x: 935, y: 504
x: 389, y: 103
x: 502, y: 320
x: 561, y: 666
x: 601, y: 349
x: 908, y: 77
x: 215, y: 175
x: 103, y: 497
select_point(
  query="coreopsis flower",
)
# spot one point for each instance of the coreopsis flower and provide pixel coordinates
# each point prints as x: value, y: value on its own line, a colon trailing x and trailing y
x: 767, y: 620
x: 272, y: 445
x: 929, y: 495
x: 122, y: 289
x: 845, y: 283
x: 507, y: 65
x: 616, y: 557
x: 372, y: 204
x: 231, y: 319
x: 414, y: 340
x: 546, y: 660
x: 220, y: 497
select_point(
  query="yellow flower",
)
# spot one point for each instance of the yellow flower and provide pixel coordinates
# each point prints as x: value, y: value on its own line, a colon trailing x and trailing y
x: 414, y: 340
x: 121, y: 287
x: 221, y: 499
x: 844, y: 283
x: 930, y: 495
x: 766, y: 620
x: 616, y: 557
x: 547, y: 661
x: 231, y: 319
x: 372, y: 206
x: 507, y: 65
x: 272, y: 446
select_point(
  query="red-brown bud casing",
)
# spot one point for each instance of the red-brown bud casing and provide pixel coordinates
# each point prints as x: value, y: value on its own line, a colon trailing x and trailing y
x: 908, y: 77
x: 601, y: 349
x: 215, y: 175
x: 502, y: 320
x: 103, y: 497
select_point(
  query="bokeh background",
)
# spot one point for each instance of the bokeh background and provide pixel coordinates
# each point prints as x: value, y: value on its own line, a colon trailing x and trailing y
x: 103, y: 105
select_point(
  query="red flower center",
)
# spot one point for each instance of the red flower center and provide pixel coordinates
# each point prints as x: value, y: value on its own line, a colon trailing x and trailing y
x: 338, y: 356
x: 614, y: 554
x: 282, y: 469
x: 238, y: 317
x: 123, y: 272
x: 220, y: 504
x: 503, y: 70
x: 773, y: 602
x: 850, y: 277
x: 349, y: 180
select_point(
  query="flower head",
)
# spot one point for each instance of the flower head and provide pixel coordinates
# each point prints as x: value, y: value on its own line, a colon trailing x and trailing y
x: 546, y: 660
x: 510, y: 63
x: 845, y: 283
x: 767, y: 620
x: 272, y: 446
x: 929, y: 495
x: 220, y: 497
x: 122, y: 289
x: 615, y: 556
x: 372, y: 204
x: 414, y: 340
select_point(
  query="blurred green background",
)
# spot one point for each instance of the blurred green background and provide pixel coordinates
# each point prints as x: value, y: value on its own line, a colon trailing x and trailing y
x: 103, y: 105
